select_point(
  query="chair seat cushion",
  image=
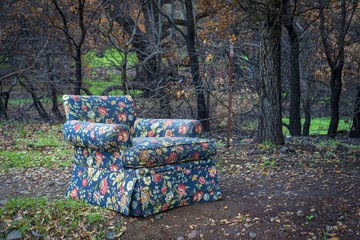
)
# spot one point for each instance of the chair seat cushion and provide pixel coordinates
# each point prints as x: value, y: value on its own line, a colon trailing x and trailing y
x: 157, y: 151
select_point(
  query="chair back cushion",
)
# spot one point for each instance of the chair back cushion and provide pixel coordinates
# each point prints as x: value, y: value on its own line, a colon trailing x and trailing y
x: 100, y: 109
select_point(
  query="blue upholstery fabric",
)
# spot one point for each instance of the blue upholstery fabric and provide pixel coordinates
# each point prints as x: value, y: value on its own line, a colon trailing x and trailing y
x: 166, y: 150
x: 167, y: 128
x: 100, y: 109
x: 140, y: 169
x: 97, y: 135
x: 146, y: 191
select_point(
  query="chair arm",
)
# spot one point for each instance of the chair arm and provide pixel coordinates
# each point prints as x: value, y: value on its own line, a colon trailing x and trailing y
x: 97, y: 135
x: 167, y: 128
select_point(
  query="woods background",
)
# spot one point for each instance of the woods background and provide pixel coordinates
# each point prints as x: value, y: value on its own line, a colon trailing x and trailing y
x: 293, y: 60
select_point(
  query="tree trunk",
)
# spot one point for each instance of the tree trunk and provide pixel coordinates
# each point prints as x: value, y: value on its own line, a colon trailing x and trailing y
x: 38, y: 106
x: 202, y: 110
x: 295, y: 118
x: 335, y: 84
x: 55, y: 106
x: 355, y: 129
x: 78, y: 71
x: 270, y: 121
x: 307, y: 107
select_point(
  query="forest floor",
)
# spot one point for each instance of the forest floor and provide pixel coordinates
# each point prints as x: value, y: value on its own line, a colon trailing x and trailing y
x: 306, y: 189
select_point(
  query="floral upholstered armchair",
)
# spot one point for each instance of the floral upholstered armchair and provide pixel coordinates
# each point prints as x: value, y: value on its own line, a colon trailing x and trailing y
x: 133, y: 165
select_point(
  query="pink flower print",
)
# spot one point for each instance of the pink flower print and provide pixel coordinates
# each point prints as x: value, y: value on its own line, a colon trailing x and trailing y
x: 108, y: 121
x: 168, y: 133
x: 198, y: 128
x: 169, y: 122
x: 198, y: 196
x: 105, y: 187
x: 84, y: 182
x: 164, y: 207
x: 183, y: 129
x: 102, y: 111
x: 122, y: 117
x: 76, y: 98
x: 202, y: 180
x: 195, y: 156
x: 164, y: 190
x: 116, y: 154
x: 151, y: 133
x: 92, y: 134
x: 99, y: 158
x: 77, y: 126
x: 181, y: 189
x: 157, y: 177
x: 172, y: 156
x: 205, y: 145
x: 113, y: 167
x: 74, y: 193
x: 123, y: 136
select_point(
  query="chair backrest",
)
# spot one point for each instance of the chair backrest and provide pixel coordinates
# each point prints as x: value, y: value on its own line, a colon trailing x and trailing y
x: 100, y: 109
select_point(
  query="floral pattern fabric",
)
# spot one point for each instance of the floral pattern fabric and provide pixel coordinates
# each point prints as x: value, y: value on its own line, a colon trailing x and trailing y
x: 145, y: 192
x: 97, y: 135
x: 157, y: 151
x: 100, y: 109
x: 140, y: 169
x: 167, y: 128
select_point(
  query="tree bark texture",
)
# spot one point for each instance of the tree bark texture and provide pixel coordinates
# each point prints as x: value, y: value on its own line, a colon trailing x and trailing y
x: 355, y: 129
x: 295, y: 118
x: 336, y: 85
x: 202, y: 109
x: 270, y: 120
x: 78, y: 72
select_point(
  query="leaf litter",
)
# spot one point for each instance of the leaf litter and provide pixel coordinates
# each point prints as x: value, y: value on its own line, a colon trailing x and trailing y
x: 307, y: 189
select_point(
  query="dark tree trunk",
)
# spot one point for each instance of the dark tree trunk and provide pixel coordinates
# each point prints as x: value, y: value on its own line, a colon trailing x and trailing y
x: 295, y: 118
x: 355, y: 129
x: 270, y: 121
x: 55, y: 106
x: 307, y: 107
x: 202, y: 110
x: 38, y: 106
x: 335, y: 84
x: 78, y: 71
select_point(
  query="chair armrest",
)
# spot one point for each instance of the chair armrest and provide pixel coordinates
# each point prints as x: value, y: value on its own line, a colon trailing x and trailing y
x: 167, y: 128
x: 97, y: 135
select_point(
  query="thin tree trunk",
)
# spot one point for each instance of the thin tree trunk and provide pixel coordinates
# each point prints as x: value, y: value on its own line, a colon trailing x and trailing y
x: 55, y: 106
x: 295, y: 118
x: 336, y: 85
x: 78, y: 72
x: 355, y: 129
x: 202, y: 110
x: 307, y: 107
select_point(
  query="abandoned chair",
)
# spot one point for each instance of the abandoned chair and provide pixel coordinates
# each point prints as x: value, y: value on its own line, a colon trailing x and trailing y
x: 133, y: 165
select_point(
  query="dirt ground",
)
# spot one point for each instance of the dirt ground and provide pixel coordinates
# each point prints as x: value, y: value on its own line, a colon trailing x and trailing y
x: 303, y: 190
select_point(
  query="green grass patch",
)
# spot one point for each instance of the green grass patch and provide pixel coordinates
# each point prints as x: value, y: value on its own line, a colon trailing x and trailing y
x: 35, y: 158
x: 320, y: 125
x: 33, y: 145
x: 58, y: 219
x: 110, y: 58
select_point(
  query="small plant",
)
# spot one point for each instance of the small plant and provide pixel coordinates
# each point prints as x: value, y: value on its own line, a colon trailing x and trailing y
x: 268, y: 144
x: 326, y: 233
x: 310, y: 217
x: 21, y: 129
